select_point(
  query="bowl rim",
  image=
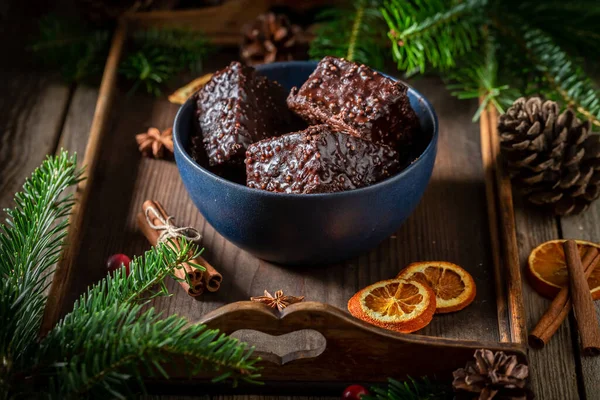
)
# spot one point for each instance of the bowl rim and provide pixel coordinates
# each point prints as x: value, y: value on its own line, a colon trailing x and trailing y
x: 431, y: 147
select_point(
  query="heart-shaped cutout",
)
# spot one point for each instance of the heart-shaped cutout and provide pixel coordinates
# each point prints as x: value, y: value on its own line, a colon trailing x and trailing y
x: 282, y: 349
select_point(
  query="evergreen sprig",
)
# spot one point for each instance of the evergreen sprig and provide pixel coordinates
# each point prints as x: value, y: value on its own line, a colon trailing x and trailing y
x: 112, y: 337
x: 431, y: 32
x: 563, y: 75
x: 476, y: 77
x: 537, y: 46
x: 356, y: 33
x: 152, y: 58
x: 30, y: 243
x: 159, y: 55
x: 67, y: 44
x: 411, y: 389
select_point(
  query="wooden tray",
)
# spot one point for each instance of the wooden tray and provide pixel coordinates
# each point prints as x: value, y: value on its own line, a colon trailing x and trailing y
x: 321, y: 342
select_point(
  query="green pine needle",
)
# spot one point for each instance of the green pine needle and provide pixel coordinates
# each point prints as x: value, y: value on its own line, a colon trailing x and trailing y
x: 411, y: 389
x: 563, y: 75
x: 159, y: 55
x: 476, y: 77
x: 112, y: 338
x: 30, y: 242
x: 150, y: 69
x: 572, y: 24
x: 153, y: 56
x: 187, y: 48
x: 356, y: 33
x: 432, y: 32
x: 68, y: 45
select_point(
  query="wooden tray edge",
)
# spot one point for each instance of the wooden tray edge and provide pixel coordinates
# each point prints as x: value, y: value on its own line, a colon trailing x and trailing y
x: 349, y: 343
x: 223, y: 316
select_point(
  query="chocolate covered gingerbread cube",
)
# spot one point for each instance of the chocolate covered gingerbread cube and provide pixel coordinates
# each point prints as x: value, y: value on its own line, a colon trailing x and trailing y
x: 355, y: 99
x: 317, y: 160
x: 235, y: 108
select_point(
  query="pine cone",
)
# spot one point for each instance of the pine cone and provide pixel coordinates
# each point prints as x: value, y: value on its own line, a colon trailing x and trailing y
x: 269, y: 38
x: 553, y: 158
x: 493, y: 376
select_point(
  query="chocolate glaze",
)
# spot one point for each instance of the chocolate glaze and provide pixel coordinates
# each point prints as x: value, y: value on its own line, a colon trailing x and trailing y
x: 358, y: 100
x: 235, y: 108
x: 317, y: 160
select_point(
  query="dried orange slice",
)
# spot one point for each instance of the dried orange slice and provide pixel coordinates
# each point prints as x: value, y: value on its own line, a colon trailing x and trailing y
x: 395, y: 304
x: 454, y: 287
x: 547, y: 270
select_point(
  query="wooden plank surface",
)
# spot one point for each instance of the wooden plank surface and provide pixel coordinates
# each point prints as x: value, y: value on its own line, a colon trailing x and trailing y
x: 586, y: 227
x: 222, y: 24
x: 549, y: 367
x: 32, y: 100
x: 33, y: 104
x: 78, y: 120
x: 450, y: 224
x: 553, y: 371
x: 31, y: 116
x: 437, y: 230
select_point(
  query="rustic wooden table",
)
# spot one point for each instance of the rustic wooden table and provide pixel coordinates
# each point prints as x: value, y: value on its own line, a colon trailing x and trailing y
x: 39, y: 115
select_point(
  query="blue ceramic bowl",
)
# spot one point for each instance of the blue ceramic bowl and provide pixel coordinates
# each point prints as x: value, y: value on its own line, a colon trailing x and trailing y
x: 305, y: 228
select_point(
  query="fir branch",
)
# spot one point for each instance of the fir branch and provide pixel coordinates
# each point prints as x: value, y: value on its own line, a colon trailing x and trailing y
x: 187, y: 48
x: 476, y: 77
x: 572, y: 25
x: 432, y: 32
x: 560, y: 77
x: 159, y: 55
x: 153, y: 57
x: 150, y: 68
x: 68, y: 45
x: 411, y: 389
x: 563, y: 75
x: 102, y: 347
x: 30, y: 242
x: 111, y: 341
x: 356, y: 33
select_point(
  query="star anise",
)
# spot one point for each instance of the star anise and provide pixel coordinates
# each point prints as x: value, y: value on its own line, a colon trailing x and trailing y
x: 153, y: 142
x: 278, y: 301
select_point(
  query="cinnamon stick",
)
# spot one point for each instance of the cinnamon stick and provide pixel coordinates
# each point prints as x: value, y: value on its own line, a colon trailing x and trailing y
x: 560, y: 306
x: 583, y: 305
x: 184, y: 274
x: 211, y: 277
x: 152, y: 235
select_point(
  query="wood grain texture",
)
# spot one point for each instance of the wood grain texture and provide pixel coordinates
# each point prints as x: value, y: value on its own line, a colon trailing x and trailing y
x: 508, y: 233
x: 553, y: 374
x: 583, y: 305
x: 78, y: 121
x: 222, y: 24
x: 586, y: 227
x: 488, y: 160
x: 450, y: 224
x: 31, y: 114
x: 63, y: 274
x: 382, y: 353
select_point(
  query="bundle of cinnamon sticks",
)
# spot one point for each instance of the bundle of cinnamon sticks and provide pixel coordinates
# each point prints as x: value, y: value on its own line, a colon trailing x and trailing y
x: 577, y: 295
x: 199, y: 281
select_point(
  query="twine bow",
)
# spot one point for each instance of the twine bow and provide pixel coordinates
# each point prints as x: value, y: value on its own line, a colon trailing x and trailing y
x: 168, y: 229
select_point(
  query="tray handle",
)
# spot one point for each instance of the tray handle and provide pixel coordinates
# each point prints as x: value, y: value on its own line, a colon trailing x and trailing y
x: 353, y: 347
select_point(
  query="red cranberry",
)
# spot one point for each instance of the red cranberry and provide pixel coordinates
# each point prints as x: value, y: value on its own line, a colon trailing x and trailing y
x: 354, y: 392
x: 117, y: 261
